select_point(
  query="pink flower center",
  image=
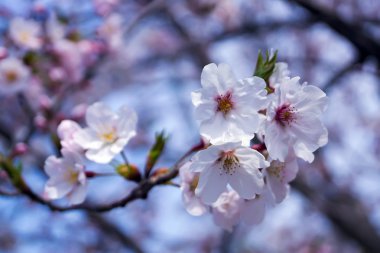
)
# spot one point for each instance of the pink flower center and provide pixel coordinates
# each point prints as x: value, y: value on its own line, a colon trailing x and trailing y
x: 228, y: 162
x: 224, y: 103
x: 285, y: 115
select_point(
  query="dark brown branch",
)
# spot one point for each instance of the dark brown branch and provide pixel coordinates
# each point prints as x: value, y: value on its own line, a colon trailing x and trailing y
x: 344, y: 211
x: 354, y: 33
x: 112, y: 230
x: 139, y: 192
x: 254, y: 28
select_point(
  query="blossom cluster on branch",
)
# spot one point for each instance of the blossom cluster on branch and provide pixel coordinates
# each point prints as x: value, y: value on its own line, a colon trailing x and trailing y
x: 253, y: 129
x: 256, y: 127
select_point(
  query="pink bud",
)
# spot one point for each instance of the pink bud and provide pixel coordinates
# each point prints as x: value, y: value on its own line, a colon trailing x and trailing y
x: 3, y: 53
x: 45, y: 102
x: 78, y: 112
x: 19, y: 149
x: 40, y: 121
x: 57, y: 74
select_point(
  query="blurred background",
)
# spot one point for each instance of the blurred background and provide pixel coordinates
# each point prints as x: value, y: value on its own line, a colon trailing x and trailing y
x: 149, y: 55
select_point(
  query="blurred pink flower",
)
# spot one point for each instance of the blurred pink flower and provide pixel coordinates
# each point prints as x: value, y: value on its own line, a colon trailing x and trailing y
x: 66, y: 130
x: 278, y: 175
x: 14, y: 75
x: 25, y: 33
x: 189, y: 182
x: 108, y: 132
x: 226, y: 210
x: 67, y: 177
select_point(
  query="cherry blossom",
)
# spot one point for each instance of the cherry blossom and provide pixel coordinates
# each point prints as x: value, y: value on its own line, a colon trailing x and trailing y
x: 226, y: 210
x: 293, y: 120
x: 111, y: 30
x: 189, y: 182
x: 13, y: 75
x: 108, y: 132
x: 278, y: 175
x: 279, y: 75
x: 71, y: 59
x: 25, y: 33
x: 67, y: 177
x: 253, y: 210
x: 227, y: 108
x: 228, y: 164
x: 66, y: 130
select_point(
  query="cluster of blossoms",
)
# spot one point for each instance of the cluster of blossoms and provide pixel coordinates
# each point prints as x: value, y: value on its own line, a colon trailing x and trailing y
x: 280, y: 116
x: 106, y: 135
x: 44, y: 49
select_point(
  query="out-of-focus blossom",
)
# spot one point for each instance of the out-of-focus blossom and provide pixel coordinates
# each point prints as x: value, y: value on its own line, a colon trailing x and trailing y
x: 108, y: 132
x: 71, y: 58
x: 227, y: 108
x: 67, y: 177
x: 189, y: 182
x: 3, y: 53
x: 25, y: 33
x: 112, y: 31
x: 66, y: 130
x: 293, y: 120
x: 253, y: 210
x: 104, y: 7
x: 278, y: 175
x: 228, y: 164
x: 54, y: 29
x: 226, y: 210
x: 14, y: 75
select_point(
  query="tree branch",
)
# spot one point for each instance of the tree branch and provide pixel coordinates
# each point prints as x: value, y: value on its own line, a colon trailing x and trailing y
x: 354, y: 33
x: 344, y: 211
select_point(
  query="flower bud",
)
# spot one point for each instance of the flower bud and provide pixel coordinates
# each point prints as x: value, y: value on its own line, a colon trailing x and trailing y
x: 160, y: 172
x: 129, y: 172
x: 19, y: 149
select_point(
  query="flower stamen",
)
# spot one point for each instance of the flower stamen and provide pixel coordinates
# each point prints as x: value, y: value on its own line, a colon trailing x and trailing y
x: 285, y: 114
x: 224, y: 103
x: 108, y: 137
x: 229, y: 162
x: 11, y: 76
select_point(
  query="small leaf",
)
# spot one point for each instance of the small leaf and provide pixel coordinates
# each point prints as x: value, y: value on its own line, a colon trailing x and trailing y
x: 264, y: 68
x: 14, y: 172
x: 155, y: 152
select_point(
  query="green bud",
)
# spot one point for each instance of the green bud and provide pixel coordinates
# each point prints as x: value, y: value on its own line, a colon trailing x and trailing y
x: 265, y: 67
x: 155, y: 152
x: 129, y: 172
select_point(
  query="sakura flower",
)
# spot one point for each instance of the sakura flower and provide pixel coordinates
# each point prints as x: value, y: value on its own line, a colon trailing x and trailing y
x: 108, y: 132
x: 14, y: 75
x: 228, y: 164
x: 279, y: 75
x: 112, y: 31
x: 25, y: 33
x: 293, y: 120
x: 189, y: 182
x: 105, y: 7
x: 71, y: 59
x: 253, y: 210
x: 66, y: 177
x: 226, y: 108
x: 54, y: 29
x: 226, y: 210
x: 66, y: 130
x: 278, y: 175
